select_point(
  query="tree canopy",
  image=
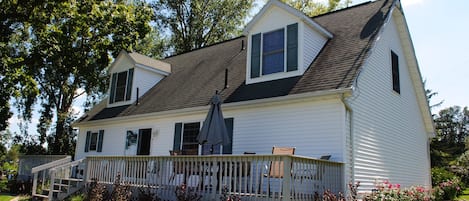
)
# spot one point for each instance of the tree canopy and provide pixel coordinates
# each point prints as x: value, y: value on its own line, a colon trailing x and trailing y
x: 64, y: 51
x: 313, y: 8
x: 193, y: 24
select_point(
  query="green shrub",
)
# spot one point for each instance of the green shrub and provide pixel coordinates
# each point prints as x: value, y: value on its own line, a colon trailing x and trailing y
x: 79, y: 197
x: 447, y: 190
x: 3, y: 185
x: 440, y: 175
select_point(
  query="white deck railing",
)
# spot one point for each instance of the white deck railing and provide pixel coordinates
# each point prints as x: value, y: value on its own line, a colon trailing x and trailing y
x: 272, y: 177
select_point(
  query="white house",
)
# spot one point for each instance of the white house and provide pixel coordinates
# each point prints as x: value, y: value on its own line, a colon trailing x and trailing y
x: 345, y: 84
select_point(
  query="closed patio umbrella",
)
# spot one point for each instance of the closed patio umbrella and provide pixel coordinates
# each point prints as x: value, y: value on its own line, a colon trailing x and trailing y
x: 213, y: 131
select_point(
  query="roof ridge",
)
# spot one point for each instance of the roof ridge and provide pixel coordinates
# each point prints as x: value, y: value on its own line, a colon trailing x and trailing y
x: 344, y: 9
x: 217, y: 43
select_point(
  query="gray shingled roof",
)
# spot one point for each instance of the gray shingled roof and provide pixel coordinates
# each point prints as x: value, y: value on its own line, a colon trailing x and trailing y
x: 196, y: 75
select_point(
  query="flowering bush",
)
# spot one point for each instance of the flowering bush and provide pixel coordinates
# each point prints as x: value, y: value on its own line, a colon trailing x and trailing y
x: 447, y: 190
x: 390, y: 192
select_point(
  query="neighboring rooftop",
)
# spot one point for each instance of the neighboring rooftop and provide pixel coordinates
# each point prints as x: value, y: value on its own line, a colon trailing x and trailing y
x: 196, y: 75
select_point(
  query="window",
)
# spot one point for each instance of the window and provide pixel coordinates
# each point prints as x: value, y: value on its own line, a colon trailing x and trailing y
x: 185, y: 138
x: 272, y: 52
x: 396, y: 86
x: 94, y: 141
x: 268, y: 51
x: 121, y: 86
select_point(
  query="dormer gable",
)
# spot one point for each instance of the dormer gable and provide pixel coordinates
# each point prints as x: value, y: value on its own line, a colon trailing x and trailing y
x: 133, y: 74
x: 282, y: 43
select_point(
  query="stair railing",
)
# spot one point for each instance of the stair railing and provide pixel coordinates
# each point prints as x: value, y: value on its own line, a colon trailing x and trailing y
x: 41, y: 172
x: 65, y: 172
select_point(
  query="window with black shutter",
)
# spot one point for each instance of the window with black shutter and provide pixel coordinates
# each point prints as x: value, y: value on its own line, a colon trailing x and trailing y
x: 121, y: 86
x: 275, y: 51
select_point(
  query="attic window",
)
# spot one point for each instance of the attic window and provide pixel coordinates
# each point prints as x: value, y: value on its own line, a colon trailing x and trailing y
x: 272, y: 52
x: 121, y: 86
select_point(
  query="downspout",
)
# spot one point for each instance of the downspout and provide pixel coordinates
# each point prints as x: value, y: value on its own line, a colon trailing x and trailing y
x: 349, y: 111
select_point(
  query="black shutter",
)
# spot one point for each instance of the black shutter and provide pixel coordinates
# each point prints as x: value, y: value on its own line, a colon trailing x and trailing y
x: 255, y: 55
x: 113, y: 87
x: 100, y: 141
x: 87, y: 141
x: 228, y: 149
x: 395, y: 72
x: 130, y: 76
x: 177, y: 137
x: 292, y: 47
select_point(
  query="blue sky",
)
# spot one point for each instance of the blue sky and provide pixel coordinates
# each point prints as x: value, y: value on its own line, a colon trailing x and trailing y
x: 440, y: 33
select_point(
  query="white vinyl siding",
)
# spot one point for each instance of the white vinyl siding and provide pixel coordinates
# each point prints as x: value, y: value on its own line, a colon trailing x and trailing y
x: 313, y: 43
x: 144, y: 80
x: 390, y: 141
x: 315, y: 128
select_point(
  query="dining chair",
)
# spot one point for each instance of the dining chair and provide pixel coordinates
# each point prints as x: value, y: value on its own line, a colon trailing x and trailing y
x: 178, y: 167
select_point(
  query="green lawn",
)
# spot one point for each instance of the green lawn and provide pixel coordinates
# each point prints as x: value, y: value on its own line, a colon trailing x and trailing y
x: 465, y: 195
x: 6, y: 197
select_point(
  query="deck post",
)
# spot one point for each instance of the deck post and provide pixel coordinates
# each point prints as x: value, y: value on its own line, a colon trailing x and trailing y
x: 85, y: 171
x: 51, y: 184
x: 34, y: 183
x: 287, y: 178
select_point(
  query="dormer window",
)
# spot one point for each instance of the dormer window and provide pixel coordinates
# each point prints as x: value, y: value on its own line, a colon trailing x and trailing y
x: 121, y: 86
x: 272, y: 52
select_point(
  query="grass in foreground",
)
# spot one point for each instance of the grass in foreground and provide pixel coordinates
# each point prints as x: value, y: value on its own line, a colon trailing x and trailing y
x: 6, y: 197
x: 465, y: 195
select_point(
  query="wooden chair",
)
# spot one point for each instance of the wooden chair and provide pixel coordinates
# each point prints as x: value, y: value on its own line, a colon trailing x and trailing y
x: 178, y: 167
x: 276, y: 168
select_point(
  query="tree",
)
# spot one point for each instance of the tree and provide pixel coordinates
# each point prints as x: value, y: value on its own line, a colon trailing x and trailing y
x: 70, y: 46
x: 196, y: 23
x: 452, y: 129
x: 452, y: 125
x: 15, y: 81
x: 313, y: 8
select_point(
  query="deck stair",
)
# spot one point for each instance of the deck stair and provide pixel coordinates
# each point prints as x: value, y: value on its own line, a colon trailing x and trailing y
x: 57, y: 180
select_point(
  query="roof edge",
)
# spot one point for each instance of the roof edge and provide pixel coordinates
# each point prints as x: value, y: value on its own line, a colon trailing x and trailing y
x: 196, y: 49
x: 416, y: 75
x: 234, y: 105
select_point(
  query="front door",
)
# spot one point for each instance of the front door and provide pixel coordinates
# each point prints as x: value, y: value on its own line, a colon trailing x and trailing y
x: 144, y: 141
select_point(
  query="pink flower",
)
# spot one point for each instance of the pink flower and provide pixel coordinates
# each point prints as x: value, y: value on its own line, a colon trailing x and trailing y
x: 420, y: 189
x: 386, y: 181
x: 398, y: 186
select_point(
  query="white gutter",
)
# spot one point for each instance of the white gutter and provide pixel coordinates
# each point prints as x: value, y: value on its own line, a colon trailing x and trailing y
x: 227, y: 106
